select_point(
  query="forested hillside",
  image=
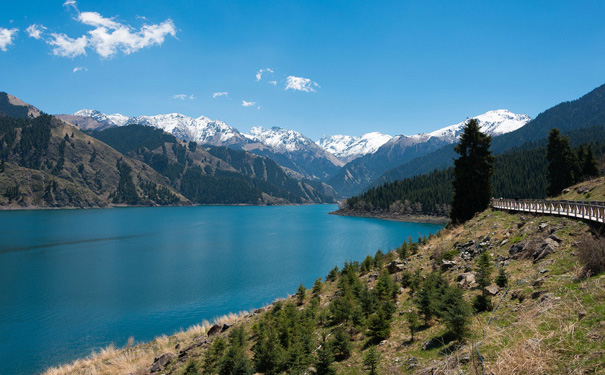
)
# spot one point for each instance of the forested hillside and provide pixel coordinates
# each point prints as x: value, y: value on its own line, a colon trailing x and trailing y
x: 521, y: 172
x: 212, y: 175
x: 585, y: 112
x: 45, y: 162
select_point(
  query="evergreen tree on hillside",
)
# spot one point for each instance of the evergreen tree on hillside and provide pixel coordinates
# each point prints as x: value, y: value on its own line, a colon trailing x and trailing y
x: 472, y: 173
x: 561, y: 162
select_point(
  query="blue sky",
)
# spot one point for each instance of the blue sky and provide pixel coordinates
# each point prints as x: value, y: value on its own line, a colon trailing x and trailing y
x: 394, y: 67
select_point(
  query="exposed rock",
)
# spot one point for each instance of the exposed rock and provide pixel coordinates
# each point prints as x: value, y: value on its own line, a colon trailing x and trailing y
x: 521, y: 282
x: 542, y: 226
x: 518, y: 295
x: 160, y: 363
x: 412, y: 363
x: 543, y: 270
x: 504, y: 242
x: 555, y: 238
x: 581, y: 314
x: 493, y: 289
x: 214, y: 330
x: 537, y: 294
x: 447, y: 264
x: 516, y: 249
x: 546, y: 248
x: 225, y: 327
x: 395, y: 266
x: 538, y: 282
x: 466, y: 279
x: 430, y: 344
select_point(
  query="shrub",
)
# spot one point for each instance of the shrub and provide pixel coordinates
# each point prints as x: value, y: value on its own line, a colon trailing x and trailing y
x: 591, y: 252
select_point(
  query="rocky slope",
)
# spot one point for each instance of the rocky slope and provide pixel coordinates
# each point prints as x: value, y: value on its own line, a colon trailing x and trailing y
x: 546, y: 319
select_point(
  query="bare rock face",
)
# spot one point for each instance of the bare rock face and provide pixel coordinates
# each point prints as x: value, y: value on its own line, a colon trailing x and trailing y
x: 395, y: 266
x: 493, y: 289
x: 160, y: 363
x: 447, y: 264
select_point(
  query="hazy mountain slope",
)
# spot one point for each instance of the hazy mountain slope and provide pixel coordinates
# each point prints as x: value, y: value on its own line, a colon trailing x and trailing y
x: 587, y: 111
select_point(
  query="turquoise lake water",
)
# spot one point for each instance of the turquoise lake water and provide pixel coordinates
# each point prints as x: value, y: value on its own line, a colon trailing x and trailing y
x: 72, y: 281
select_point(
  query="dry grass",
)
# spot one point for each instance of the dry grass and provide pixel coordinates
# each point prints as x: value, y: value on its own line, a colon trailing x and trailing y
x: 591, y: 252
x: 137, y: 360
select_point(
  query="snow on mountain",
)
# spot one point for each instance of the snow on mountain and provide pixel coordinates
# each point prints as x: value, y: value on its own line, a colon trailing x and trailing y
x: 347, y: 148
x: 201, y: 129
x: 496, y: 122
x: 279, y: 139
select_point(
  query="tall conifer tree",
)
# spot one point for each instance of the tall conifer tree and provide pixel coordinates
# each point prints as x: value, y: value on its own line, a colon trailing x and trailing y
x: 472, y: 173
x: 561, y: 162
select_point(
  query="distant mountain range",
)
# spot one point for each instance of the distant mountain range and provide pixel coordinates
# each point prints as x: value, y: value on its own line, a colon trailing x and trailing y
x: 348, y: 163
x: 46, y: 162
x: 334, y: 166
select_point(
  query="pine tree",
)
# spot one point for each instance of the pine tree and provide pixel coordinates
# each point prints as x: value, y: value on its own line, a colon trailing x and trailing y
x: 456, y: 312
x: 484, y: 271
x: 589, y: 163
x: 472, y: 173
x: 412, y: 319
x: 301, y: 294
x: 561, y: 163
x: 502, y: 279
x: 323, y: 362
x: 371, y: 360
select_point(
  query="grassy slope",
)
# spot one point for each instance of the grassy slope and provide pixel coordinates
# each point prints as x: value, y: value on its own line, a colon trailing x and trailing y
x: 559, y: 334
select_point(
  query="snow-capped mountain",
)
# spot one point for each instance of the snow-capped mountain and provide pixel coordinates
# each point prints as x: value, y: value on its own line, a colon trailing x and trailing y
x: 201, y: 129
x: 294, y: 151
x: 357, y: 174
x: 298, y: 154
x: 496, y: 122
x: 279, y: 139
x: 347, y: 147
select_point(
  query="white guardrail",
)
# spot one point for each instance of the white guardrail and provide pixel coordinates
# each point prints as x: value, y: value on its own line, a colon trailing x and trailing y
x: 588, y: 210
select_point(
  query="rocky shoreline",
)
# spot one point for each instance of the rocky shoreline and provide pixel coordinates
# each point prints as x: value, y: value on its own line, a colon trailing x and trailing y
x: 386, y: 215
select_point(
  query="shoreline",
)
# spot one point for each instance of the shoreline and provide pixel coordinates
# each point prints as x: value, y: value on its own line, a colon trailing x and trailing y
x: 38, y: 208
x: 431, y: 219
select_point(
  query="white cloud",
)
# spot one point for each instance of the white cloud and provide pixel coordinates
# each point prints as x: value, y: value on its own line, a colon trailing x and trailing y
x: 79, y: 69
x: 274, y: 83
x: 69, y: 3
x: 247, y: 104
x: 6, y: 37
x: 35, y: 31
x: 300, y: 84
x: 108, y: 36
x: 66, y: 46
x: 184, y: 96
x: 217, y: 94
x: 259, y: 74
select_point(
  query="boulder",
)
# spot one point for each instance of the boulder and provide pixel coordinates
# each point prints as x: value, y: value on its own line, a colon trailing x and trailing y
x: 395, y: 266
x: 466, y: 279
x: 225, y: 327
x: 542, y: 226
x: 516, y: 249
x: 447, y: 264
x: 214, y: 330
x: 493, y: 289
x: 160, y: 363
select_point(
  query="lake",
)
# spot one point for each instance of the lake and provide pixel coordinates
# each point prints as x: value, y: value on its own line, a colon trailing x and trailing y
x: 77, y: 280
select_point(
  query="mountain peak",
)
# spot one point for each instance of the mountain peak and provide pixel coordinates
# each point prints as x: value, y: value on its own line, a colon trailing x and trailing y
x: 347, y: 147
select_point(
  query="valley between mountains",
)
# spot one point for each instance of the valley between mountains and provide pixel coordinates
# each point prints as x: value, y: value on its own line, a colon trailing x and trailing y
x: 91, y: 159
